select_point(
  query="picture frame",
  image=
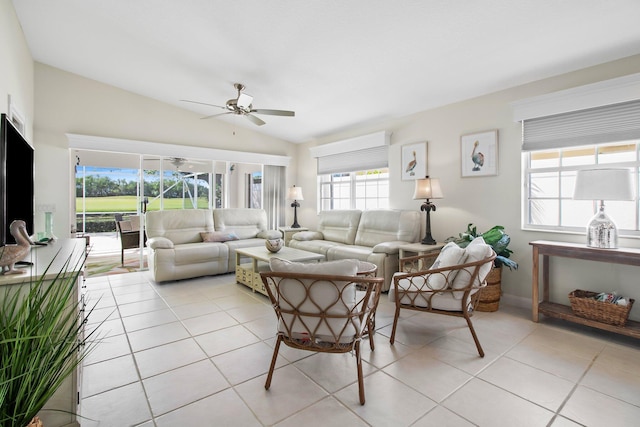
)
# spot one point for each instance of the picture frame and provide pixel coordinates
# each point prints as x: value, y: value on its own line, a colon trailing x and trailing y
x: 479, y: 154
x: 414, y: 161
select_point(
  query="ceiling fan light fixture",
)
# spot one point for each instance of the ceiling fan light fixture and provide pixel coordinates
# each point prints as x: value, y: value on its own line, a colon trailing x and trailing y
x: 244, y: 101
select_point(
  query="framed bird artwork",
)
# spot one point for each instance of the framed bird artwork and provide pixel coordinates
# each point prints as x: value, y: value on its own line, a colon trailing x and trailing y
x: 479, y: 154
x: 414, y: 161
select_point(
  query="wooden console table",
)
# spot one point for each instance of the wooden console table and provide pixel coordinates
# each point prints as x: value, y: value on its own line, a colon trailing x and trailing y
x: 546, y: 249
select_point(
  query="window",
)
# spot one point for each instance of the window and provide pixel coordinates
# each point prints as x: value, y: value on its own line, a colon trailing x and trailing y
x: 550, y: 179
x: 354, y: 190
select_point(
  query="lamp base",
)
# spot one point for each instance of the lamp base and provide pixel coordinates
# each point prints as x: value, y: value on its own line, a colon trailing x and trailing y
x: 428, y: 240
x: 602, y: 231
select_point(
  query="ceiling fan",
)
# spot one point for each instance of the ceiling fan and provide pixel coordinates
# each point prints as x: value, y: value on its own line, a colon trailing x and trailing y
x: 177, y: 162
x: 242, y: 106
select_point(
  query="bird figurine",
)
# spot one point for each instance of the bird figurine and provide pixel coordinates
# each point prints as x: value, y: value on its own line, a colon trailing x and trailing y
x: 10, y: 254
x: 412, y: 164
x: 477, y: 158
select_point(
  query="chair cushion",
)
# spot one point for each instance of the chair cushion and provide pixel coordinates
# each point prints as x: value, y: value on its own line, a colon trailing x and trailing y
x: 218, y: 236
x: 451, y: 254
x: 475, y: 251
x: 439, y: 300
x: 310, y: 297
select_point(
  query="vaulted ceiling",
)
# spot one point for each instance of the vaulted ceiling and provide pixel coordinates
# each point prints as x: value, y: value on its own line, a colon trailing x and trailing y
x: 337, y: 64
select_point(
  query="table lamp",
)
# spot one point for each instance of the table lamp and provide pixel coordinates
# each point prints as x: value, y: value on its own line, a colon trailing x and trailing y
x: 295, y: 194
x: 603, y: 184
x: 427, y: 188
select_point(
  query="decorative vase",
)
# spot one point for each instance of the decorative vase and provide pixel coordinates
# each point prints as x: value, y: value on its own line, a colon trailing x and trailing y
x: 274, y: 245
x: 48, y: 224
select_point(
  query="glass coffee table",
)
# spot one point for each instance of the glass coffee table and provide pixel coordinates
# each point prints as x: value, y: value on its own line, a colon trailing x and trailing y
x: 248, y: 274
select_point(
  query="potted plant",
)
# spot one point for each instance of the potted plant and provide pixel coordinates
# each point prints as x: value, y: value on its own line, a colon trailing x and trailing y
x: 41, y: 343
x: 499, y: 240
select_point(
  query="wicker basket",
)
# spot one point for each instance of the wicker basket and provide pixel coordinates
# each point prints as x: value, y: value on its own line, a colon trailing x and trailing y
x: 584, y: 305
x: 489, y: 299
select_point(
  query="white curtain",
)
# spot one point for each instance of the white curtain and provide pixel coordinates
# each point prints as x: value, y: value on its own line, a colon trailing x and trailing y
x: 274, y: 193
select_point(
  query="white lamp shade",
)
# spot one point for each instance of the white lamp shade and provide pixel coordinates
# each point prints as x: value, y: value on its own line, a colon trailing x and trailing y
x: 295, y: 193
x: 603, y: 184
x: 427, y: 188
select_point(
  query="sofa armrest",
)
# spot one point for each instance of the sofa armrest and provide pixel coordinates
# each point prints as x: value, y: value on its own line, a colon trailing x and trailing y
x: 269, y: 234
x: 308, y: 235
x: 159, y: 243
x: 389, y: 248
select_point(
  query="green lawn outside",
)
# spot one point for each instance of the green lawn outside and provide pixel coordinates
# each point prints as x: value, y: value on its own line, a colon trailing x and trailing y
x: 128, y: 204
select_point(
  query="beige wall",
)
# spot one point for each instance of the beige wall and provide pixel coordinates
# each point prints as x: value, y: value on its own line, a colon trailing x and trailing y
x: 484, y: 201
x: 16, y: 67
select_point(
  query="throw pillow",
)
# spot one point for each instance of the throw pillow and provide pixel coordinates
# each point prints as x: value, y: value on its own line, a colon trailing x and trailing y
x: 450, y: 255
x: 218, y: 236
x: 343, y: 267
x: 476, y: 250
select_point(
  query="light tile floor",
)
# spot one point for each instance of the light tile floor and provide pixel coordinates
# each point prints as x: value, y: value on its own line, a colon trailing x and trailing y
x: 196, y: 353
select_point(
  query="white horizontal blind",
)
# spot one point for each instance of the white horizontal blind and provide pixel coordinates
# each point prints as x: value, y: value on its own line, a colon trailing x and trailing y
x: 351, y: 161
x: 609, y: 123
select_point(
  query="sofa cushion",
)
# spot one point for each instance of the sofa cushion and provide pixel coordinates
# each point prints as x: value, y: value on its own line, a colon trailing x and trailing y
x: 179, y: 226
x: 200, y: 252
x: 386, y: 225
x: 475, y: 251
x: 316, y: 246
x: 218, y: 236
x: 308, y: 235
x: 246, y: 223
x: 339, y: 225
x: 269, y: 234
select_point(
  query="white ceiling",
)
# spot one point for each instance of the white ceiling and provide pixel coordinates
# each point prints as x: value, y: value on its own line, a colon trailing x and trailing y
x: 338, y: 64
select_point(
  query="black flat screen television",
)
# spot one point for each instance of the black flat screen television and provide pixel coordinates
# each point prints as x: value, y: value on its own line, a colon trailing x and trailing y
x: 16, y: 180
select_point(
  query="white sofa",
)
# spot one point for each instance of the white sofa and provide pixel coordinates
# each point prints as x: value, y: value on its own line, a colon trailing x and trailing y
x: 177, y: 249
x: 371, y: 235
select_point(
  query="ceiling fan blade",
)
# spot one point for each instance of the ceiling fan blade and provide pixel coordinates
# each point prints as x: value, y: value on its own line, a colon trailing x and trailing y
x: 203, y: 103
x: 274, y: 112
x: 215, y: 115
x: 255, y: 119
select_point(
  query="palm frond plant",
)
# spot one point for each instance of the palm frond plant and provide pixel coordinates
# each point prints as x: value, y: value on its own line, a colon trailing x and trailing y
x: 494, y: 237
x: 41, y: 342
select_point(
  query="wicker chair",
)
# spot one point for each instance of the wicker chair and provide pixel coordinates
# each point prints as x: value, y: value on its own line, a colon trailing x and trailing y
x: 129, y: 233
x: 451, y: 290
x: 323, y: 312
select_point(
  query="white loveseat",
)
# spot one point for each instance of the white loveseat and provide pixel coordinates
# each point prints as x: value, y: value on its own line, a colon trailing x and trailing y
x: 371, y: 235
x: 200, y: 242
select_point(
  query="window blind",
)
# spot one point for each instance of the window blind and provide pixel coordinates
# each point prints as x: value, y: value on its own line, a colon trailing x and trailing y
x: 358, y: 160
x: 609, y: 123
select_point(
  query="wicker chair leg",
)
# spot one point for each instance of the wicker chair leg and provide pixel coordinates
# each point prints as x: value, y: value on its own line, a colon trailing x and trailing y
x: 475, y: 337
x: 395, y: 323
x: 360, y: 377
x: 267, y: 384
x: 371, y: 328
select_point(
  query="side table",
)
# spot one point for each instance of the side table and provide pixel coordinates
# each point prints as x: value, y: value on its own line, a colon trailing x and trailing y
x: 418, y: 249
x: 288, y: 232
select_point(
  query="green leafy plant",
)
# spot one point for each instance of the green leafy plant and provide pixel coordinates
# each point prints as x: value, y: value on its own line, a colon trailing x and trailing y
x: 41, y: 342
x: 494, y: 237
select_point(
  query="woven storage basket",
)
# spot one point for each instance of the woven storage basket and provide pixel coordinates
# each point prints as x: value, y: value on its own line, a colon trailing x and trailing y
x: 584, y: 305
x: 489, y: 299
